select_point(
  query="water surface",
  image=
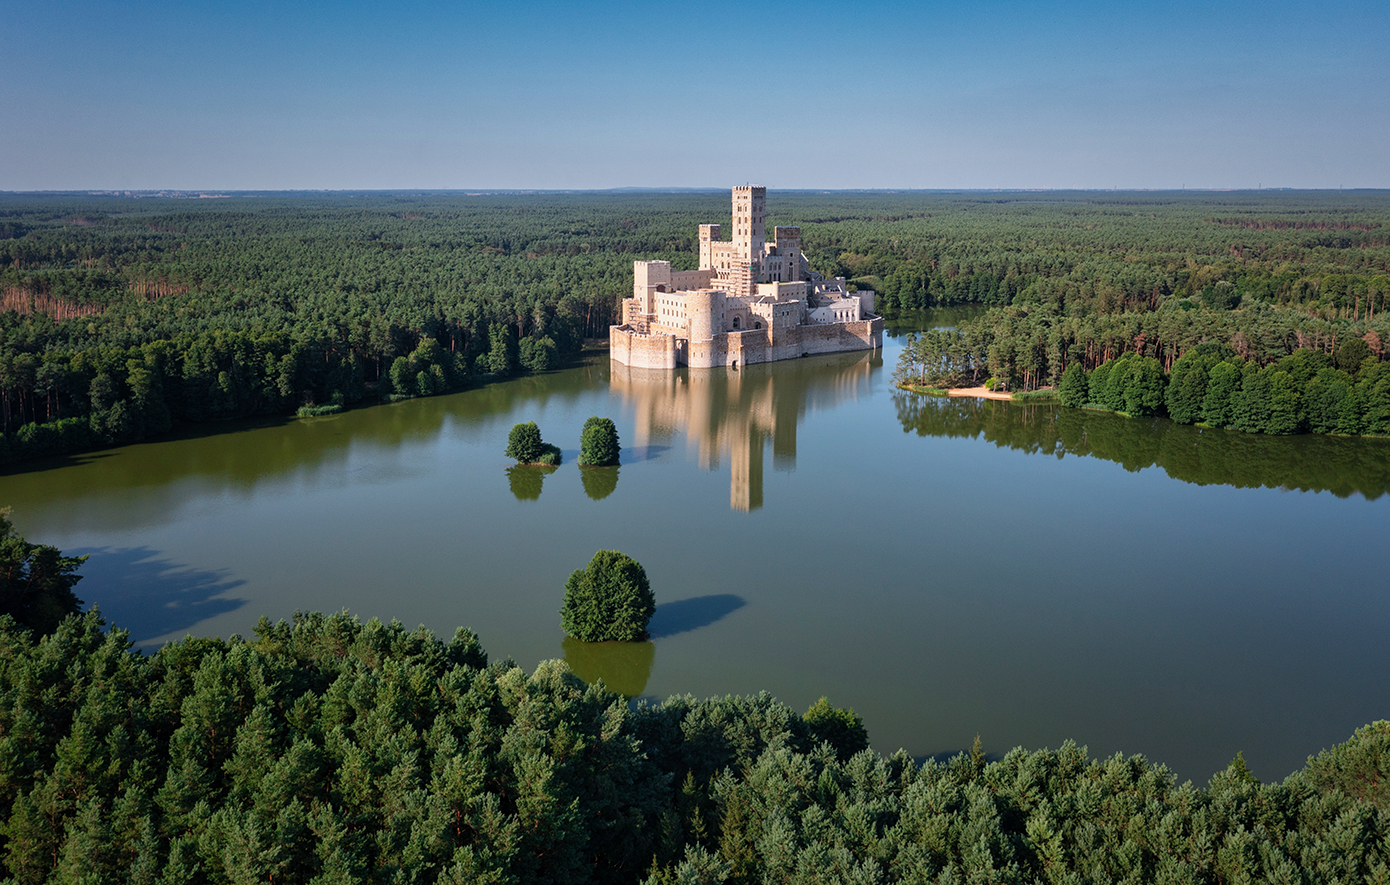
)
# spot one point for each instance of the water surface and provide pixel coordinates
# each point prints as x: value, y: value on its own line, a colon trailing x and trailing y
x: 944, y: 567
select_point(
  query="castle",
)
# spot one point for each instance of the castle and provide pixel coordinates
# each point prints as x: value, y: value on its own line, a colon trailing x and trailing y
x: 751, y: 301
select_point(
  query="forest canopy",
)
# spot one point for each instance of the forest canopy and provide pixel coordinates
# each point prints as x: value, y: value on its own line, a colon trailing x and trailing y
x: 327, y: 750
x: 121, y: 316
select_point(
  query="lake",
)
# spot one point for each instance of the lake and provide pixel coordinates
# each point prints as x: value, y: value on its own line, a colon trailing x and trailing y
x: 947, y: 568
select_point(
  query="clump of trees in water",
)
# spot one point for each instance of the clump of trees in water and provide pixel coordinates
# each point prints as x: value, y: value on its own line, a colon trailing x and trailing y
x: 525, y: 446
x: 610, y: 599
x: 326, y: 750
x: 598, y: 443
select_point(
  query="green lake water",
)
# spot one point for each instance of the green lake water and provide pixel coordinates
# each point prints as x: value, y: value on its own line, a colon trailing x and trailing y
x: 945, y: 567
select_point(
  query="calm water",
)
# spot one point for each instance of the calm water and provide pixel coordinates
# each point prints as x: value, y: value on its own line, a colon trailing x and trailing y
x: 944, y: 567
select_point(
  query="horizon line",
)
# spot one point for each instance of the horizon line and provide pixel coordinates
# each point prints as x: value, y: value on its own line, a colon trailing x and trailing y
x: 212, y: 193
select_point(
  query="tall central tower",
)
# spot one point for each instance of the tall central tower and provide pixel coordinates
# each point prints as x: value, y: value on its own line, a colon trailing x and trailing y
x: 750, y: 232
x: 750, y: 222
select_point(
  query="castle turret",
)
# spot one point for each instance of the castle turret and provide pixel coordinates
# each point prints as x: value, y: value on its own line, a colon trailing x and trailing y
x: 648, y: 278
x: 705, y: 311
x: 788, y: 240
x: 709, y: 234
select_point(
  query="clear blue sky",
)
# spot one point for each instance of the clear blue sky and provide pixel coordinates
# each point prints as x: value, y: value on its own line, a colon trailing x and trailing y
x: 517, y: 94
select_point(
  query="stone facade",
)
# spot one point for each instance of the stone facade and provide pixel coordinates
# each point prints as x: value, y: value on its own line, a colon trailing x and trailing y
x: 751, y: 301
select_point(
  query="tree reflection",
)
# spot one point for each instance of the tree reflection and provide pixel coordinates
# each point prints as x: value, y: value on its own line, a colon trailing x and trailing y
x: 526, y: 480
x: 624, y: 667
x: 599, y: 482
x: 1200, y: 455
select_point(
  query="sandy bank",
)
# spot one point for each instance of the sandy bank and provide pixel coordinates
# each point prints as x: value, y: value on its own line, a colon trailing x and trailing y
x: 982, y: 392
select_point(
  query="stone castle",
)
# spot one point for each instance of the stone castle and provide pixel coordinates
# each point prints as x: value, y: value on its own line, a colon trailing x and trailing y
x: 751, y: 301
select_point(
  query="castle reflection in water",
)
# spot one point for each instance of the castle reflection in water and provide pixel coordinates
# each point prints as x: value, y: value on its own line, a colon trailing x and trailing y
x: 733, y: 413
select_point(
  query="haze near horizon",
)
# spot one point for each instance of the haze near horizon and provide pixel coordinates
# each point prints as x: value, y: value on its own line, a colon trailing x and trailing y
x: 541, y: 95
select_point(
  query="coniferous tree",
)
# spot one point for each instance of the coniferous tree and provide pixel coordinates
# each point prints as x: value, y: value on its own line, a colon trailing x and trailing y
x: 609, y: 599
x: 1222, y: 384
x: 1074, y: 388
x: 36, y: 580
x: 841, y: 728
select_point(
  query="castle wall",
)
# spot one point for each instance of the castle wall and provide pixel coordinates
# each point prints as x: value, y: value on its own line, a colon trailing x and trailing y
x: 632, y: 348
x: 769, y: 345
x: 691, y: 279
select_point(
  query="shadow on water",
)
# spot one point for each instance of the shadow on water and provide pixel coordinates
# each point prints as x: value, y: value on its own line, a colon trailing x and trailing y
x: 643, y: 453
x: 624, y: 667
x: 526, y: 480
x: 599, y: 482
x: 151, y: 596
x: 684, y: 615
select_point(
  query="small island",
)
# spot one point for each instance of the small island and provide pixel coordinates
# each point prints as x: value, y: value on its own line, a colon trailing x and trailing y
x: 608, y: 600
x: 525, y: 445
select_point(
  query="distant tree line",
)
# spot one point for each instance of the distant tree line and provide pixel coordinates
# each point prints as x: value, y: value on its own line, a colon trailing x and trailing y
x: 330, y: 751
x: 114, y: 311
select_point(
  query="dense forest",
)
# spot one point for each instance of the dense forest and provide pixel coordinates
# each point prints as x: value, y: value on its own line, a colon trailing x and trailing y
x: 1308, y: 390
x: 1291, y: 288
x: 120, y: 316
x: 329, y: 751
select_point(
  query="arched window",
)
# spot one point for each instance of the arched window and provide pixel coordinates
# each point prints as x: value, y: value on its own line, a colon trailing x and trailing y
x: 757, y: 325
x: 735, y: 322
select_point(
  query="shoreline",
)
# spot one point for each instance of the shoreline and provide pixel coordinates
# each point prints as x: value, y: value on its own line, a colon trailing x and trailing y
x: 981, y: 392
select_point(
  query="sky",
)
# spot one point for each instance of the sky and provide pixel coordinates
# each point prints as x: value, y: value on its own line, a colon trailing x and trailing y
x: 545, y: 95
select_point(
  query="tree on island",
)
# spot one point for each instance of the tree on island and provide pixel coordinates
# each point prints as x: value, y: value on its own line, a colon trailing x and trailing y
x: 609, y: 599
x: 598, y: 443
x: 524, y: 443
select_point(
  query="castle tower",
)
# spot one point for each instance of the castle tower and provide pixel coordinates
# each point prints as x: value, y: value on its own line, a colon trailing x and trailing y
x: 750, y: 220
x: 709, y: 234
x: 788, y: 240
x: 705, y: 312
